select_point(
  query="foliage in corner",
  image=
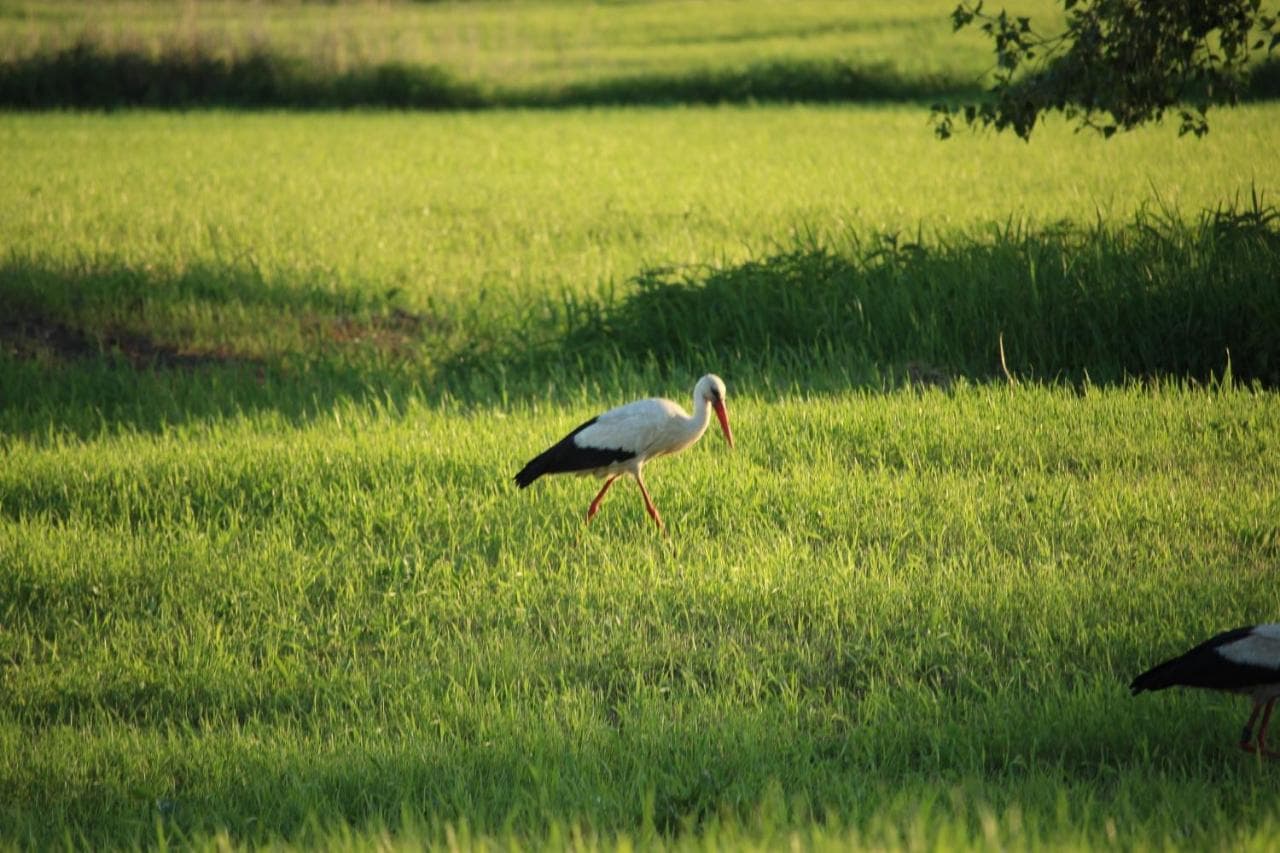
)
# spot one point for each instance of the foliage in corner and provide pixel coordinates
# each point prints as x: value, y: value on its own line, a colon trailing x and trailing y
x: 1117, y: 64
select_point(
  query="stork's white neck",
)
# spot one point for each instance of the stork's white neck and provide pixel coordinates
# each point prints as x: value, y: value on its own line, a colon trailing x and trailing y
x: 683, y: 430
x: 697, y: 424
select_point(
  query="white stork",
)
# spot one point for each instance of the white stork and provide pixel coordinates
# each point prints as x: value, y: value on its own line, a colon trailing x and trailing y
x: 1243, y: 660
x: 621, y: 440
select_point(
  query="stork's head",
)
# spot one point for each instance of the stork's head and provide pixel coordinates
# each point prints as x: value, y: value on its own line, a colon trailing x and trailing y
x: 711, y: 388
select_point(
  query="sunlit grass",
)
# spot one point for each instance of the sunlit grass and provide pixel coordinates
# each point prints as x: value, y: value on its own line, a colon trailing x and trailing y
x: 443, y: 241
x: 242, y: 625
x: 509, y: 206
x: 265, y: 379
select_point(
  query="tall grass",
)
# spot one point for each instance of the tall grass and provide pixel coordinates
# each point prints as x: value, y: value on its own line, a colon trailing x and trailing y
x: 495, y: 257
x: 1153, y: 297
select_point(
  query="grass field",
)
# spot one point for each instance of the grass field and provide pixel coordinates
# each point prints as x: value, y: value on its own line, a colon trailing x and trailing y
x: 519, y: 46
x: 230, y: 220
x: 265, y: 378
x: 888, y: 612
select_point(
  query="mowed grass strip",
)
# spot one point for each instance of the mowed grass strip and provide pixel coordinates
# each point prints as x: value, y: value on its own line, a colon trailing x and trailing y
x: 875, y: 598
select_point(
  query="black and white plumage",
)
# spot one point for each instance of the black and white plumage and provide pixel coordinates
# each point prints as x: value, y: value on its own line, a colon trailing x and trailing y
x: 621, y: 440
x: 1242, y: 660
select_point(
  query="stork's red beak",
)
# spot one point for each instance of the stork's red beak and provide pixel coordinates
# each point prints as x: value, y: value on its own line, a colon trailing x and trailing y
x: 724, y: 421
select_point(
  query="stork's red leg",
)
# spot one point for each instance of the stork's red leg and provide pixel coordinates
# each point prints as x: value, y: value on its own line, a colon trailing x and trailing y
x: 1246, y: 736
x: 648, y: 504
x: 595, y: 504
x: 1262, y: 731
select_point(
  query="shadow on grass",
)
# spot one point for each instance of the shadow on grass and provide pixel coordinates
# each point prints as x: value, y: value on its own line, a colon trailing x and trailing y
x: 94, y: 348
x: 202, y: 315
x: 810, y: 81
x: 1157, y: 298
x: 674, y: 765
x: 88, y: 350
x: 86, y: 76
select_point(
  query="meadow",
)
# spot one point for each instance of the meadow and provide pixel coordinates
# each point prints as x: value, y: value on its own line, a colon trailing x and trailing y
x: 460, y: 53
x: 902, y: 618
x: 1006, y: 421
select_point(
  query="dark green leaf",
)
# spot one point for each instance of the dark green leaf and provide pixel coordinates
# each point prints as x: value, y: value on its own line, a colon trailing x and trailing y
x: 1126, y: 59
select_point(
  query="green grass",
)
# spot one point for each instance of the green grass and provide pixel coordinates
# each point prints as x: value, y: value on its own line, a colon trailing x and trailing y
x: 449, y: 209
x: 521, y: 48
x: 555, y: 53
x: 1156, y: 297
x: 874, y: 598
x: 89, y: 352
x: 302, y: 260
x: 265, y: 378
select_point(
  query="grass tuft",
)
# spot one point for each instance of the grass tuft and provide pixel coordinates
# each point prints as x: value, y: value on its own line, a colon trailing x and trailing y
x: 1156, y: 297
